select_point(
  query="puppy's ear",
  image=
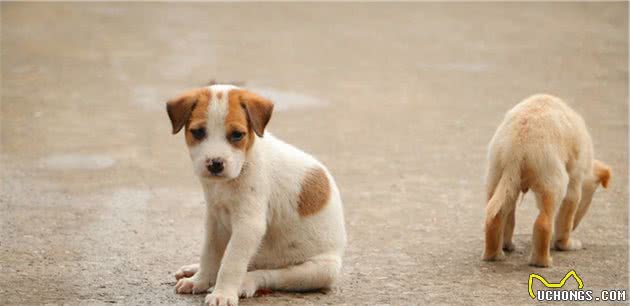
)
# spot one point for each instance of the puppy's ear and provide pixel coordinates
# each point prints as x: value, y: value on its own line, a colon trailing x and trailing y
x: 602, y: 172
x: 179, y: 109
x: 258, y: 111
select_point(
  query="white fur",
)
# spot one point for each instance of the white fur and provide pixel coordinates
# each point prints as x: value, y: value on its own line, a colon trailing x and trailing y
x: 255, y: 237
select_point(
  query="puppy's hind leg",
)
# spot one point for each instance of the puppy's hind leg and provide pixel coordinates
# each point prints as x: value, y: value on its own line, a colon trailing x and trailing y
x: 510, y: 222
x: 316, y: 273
x: 501, y: 203
x: 494, y: 233
x: 493, y: 175
x: 565, y: 217
x: 508, y: 231
x: 547, y: 198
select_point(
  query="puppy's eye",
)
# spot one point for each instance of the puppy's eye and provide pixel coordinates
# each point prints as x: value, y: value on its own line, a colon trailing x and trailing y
x: 236, y: 136
x: 199, y: 133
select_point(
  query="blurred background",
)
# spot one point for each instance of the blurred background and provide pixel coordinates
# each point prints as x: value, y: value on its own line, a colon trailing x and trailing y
x: 99, y: 203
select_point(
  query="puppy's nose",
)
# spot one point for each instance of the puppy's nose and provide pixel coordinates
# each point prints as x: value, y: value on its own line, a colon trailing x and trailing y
x: 215, y: 166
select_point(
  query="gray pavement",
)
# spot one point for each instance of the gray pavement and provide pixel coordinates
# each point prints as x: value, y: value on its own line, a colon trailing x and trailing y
x: 99, y: 203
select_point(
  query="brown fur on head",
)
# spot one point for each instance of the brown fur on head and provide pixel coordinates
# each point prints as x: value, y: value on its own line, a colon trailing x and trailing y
x: 258, y: 110
x: 221, y: 123
x: 180, y: 108
x: 247, y: 113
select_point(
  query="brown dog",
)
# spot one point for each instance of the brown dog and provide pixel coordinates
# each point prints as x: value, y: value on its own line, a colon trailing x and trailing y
x: 543, y: 145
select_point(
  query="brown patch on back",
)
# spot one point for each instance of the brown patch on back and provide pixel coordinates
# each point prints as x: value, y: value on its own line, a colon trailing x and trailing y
x: 219, y: 95
x: 314, y: 192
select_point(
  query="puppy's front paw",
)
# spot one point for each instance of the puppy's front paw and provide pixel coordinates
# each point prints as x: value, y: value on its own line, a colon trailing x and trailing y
x: 221, y: 299
x: 568, y: 245
x: 249, y: 286
x: 493, y: 256
x: 508, y: 246
x: 191, y: 285
x: 540, y: 261
x: 186, y: 271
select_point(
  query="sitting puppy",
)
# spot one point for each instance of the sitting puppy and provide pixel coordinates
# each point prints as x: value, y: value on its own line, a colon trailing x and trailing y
x: 544, y: 145
x: 274, y: 215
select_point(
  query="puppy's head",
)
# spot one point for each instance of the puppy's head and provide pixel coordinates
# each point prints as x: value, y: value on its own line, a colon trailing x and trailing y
x: 599, y: 175
x: 220, y: 124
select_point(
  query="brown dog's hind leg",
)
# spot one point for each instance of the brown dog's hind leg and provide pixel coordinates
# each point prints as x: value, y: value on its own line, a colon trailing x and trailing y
x: 508, y: 231
x: 494, y: 235
x: 543, y: 228
x: 565, y: 217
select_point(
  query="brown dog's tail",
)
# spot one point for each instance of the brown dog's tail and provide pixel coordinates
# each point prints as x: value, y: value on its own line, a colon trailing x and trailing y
x: 505, y: 193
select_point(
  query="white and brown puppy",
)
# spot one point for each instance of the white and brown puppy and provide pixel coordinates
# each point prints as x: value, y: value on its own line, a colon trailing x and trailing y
x: 542, y: 145
x: 274, y: 215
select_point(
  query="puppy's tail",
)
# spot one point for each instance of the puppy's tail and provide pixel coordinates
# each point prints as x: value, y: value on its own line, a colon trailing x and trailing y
x: 505, y: 193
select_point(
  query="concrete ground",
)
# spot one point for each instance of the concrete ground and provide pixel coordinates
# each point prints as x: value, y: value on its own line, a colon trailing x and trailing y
x: 99, y: 203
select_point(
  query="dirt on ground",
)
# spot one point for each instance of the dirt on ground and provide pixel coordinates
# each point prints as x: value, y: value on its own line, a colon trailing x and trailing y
x: 99, y: 203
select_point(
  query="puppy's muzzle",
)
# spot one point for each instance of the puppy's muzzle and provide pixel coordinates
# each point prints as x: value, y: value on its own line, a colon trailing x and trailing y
x: 215, y: 166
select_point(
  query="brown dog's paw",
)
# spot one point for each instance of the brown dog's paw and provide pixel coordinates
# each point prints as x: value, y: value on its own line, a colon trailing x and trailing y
x: 542, y: 262
x: 508, y: 246
x: 495, y: 256
x: 568, y: 245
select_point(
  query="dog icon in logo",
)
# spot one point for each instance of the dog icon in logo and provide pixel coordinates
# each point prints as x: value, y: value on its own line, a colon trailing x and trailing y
x: 553, y: 285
